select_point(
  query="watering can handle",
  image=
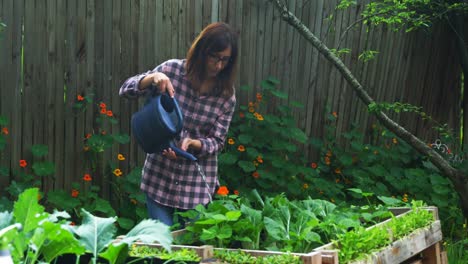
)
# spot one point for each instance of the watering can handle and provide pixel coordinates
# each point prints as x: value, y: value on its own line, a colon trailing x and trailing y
x: 182, y: 153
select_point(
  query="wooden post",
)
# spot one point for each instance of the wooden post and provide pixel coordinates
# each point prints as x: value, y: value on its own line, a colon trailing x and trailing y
x: 431, y: 255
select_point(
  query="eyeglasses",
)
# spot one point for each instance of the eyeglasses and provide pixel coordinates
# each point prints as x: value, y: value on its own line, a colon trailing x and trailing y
x: 215, y: 59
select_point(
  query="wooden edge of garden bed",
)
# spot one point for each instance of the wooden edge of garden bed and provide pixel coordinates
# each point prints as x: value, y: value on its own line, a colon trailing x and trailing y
x: 307, y: 258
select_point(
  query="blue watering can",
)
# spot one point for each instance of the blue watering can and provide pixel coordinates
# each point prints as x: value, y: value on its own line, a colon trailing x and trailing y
x: 157, y: 124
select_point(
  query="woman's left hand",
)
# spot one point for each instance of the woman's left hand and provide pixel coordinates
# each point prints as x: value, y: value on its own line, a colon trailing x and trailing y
x: 169, y: 153
x: 187, y: 143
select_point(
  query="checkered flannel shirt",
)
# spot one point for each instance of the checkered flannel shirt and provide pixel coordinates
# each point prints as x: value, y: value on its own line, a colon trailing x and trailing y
x: 177, y: 183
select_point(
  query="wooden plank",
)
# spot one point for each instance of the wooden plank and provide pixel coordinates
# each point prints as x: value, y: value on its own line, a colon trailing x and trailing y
x: 59, y: 106
x: 431, y: 255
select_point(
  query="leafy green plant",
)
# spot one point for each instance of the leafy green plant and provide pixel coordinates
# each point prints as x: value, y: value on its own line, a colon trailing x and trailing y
x: 183, y: 254
x: 241, y: 257
x: 360, y: 242
x: 44, y: 237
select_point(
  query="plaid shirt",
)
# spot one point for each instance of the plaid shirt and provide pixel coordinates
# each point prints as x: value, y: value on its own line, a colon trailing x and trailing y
x: 177, y: 183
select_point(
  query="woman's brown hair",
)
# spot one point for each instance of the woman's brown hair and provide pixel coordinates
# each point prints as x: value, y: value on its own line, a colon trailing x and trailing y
x: 214, y: 38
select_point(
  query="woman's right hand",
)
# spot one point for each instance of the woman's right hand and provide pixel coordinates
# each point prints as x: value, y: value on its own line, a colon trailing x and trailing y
x: 161, y: 81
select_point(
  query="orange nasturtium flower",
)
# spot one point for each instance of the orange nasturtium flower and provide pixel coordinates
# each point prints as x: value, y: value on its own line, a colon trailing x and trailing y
x: 88, y: 136
x: 103, y: 111
x: 79, y: 97
x: 335, y: 114
x: 87, y: 177
x: 395, y: 141
x: 259, y: 117
x: 120, y: 157
x: 313, y: 165
x: 305, y: 186
x: 259, y: 159
x: 327, y: 160
x: 223, y: 190
x: 75, y: 193
x: 338, y: 171
x: 133, y: 201
x: 231, y: 141
x: 5, y: 131
x: 117, y: 172
x: 251, y: 109
x: 109, y: 113
x: 85, y: 148
x: 23, y: 163
x: 256, y: 175
x: 241, y: 148
x: 102, y: 105
x: 236, y: 192
x: 241, y: 115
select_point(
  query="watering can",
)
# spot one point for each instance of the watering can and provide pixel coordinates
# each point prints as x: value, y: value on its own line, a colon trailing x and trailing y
x: 157, y: 124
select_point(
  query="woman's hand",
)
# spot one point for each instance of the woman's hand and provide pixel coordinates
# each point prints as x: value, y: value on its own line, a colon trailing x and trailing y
x: 169, y: 153
x: 187, y: 143
x: 162, y: 82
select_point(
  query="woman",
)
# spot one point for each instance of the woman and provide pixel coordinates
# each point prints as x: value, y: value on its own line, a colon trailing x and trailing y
x: 203, y: 87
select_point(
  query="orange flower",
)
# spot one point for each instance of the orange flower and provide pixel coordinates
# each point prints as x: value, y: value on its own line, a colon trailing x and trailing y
x: 251, y: 109
x: 259, y: 97
x: 335, y: 114
x: 79, y: 97
x: 102, y: 105
x: 259, y: 117
x: 327, y: 160
x: 87, y: 177
x: 241, y: 148
x: 236, y: 192
x: 259, y: 159
x: 329, y: 153
x: 75, y: 193
x: 241, y: 115
x: 251, y: 104
x: 338, y: 171
x: 103, y: 111
x: 23, y: 163
x: 313, y: 165
x: 305, y: 186
x: 395, y: 141
x: 256, y: 175
x: 5, y: 131
x: 255, y: 163
x: 223, y: 190
x: 88, y: 136
x: 120, y: 157
x: 86, y: 148
x: 133, y: 201
x: 103, y: 132
x: 117, y: 172
x: 72, y: 224
x: 337, y: 180
x: 231, y: 141
x: 109, y: 113
x: 376, y: 152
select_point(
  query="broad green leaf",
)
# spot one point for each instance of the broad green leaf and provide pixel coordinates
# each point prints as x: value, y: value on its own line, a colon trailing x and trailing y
x: 224, y: 232
x: 247, y: 166
x: 346, y: 160
x: 116, y: 253
x: 279, y: 94
x: 62, y: 200
x: 208, y: 234
x: 275, y: 228
x: 44, y: 168
x: 39, y: 150
x: 150, y: 231
x: 233, y: 215
x: 125, y: 223
x: 56, y: 241
x: 95, y: 233
x: 227, y: 158
x: 5, y: 219
x: 122, y: 138
x: 245, y: 139
x: 389, y: 201
x: 3, y: 121
x: 298, y: 134
x: 27, y: 211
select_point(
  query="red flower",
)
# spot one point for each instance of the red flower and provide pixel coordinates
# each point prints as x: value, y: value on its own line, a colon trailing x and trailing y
x: 236, y: 192
x: 109, y: 113
x: 80, y: 98
x: 102, y: 105
x: 75, y: 193
x: 241, y: 115
x: 103, y: 111
x: 313, y: 165
x: 87, y: 177
x: 5, y: 131
x: 223, y: 190
x: 23, y: 163
x: 256, y: 175
x: 241, y: 148
x: 87, y: 136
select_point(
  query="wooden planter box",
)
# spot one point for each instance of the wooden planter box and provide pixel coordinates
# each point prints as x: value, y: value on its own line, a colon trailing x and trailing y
x: 421, y: 246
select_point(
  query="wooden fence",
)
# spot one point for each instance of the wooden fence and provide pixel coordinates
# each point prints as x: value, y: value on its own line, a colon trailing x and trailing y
x: 53, y: 50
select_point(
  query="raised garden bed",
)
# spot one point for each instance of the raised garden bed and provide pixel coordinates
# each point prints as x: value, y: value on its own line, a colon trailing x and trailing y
x: 421, y: 246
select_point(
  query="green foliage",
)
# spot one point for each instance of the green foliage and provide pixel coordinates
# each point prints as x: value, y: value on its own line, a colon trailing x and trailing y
x: 367, y: 55
x: 274, y: 223
x: 42, y: 237
x: 183, y: 254
x: 241, y: 257
x: 253, y: 158
x: 360, y: 242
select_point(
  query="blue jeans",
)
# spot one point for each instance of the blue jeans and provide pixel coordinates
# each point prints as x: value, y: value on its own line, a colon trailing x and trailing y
x: 164, y: 214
